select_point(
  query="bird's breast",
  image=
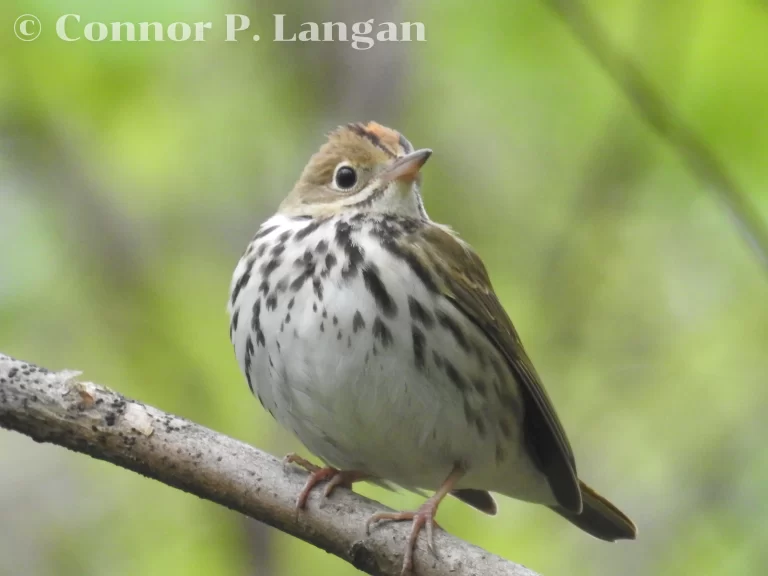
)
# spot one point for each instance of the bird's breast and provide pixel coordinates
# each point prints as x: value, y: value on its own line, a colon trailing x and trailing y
x: 346, y: 341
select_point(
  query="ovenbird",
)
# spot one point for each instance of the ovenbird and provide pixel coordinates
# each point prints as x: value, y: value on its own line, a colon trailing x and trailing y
x: 374, y: 335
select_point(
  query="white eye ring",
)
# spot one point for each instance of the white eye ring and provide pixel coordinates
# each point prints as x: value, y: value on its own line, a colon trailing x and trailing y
x: 344, y: 177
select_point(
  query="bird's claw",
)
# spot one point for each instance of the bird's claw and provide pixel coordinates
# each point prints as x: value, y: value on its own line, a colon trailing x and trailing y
x: 317, y: 474
x: 294, y: 458
x: 421, y: 518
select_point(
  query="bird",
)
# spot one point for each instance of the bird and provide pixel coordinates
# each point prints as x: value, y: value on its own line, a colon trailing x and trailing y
x: 374, y: 335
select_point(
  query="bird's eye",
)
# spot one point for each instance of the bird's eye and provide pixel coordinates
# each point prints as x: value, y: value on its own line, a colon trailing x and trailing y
x: 345, y: 177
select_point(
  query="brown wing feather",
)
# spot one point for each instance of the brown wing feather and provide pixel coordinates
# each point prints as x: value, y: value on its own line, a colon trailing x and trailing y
x: 464, y: 281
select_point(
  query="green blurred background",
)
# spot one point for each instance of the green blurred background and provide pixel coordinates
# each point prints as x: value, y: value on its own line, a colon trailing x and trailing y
x: 132, y: 176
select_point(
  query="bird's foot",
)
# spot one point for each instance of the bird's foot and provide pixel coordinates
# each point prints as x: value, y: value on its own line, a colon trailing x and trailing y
x: 317, y: 474
x: 422, y: 518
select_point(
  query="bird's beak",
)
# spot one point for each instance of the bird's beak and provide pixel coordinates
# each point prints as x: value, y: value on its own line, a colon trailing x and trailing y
x: 407, y: 167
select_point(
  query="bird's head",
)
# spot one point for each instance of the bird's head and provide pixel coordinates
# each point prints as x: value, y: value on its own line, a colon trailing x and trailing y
x: 361, y: 168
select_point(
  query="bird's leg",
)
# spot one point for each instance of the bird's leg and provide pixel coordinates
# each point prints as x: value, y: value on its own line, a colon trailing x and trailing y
x: 317, y: 474
x: 423, y: 517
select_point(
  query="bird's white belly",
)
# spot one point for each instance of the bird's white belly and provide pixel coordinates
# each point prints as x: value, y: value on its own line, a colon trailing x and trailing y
x: 343, y: 370
x: 356, y: 399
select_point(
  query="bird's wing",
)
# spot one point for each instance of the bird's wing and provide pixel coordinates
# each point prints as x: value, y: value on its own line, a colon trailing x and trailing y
x: 463, y: 280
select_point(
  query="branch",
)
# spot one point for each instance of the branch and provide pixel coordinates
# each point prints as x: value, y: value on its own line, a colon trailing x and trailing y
x: 55, y: 407
x: 657, y: 113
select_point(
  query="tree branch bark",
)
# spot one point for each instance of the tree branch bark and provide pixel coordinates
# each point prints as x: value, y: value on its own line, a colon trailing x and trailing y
x: 58, y: 408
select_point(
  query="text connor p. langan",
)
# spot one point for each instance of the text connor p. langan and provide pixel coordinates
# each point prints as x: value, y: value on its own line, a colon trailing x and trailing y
x: 361, y: 35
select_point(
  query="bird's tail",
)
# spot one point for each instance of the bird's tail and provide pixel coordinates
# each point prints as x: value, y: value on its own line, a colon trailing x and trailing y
x: 599, y: 517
